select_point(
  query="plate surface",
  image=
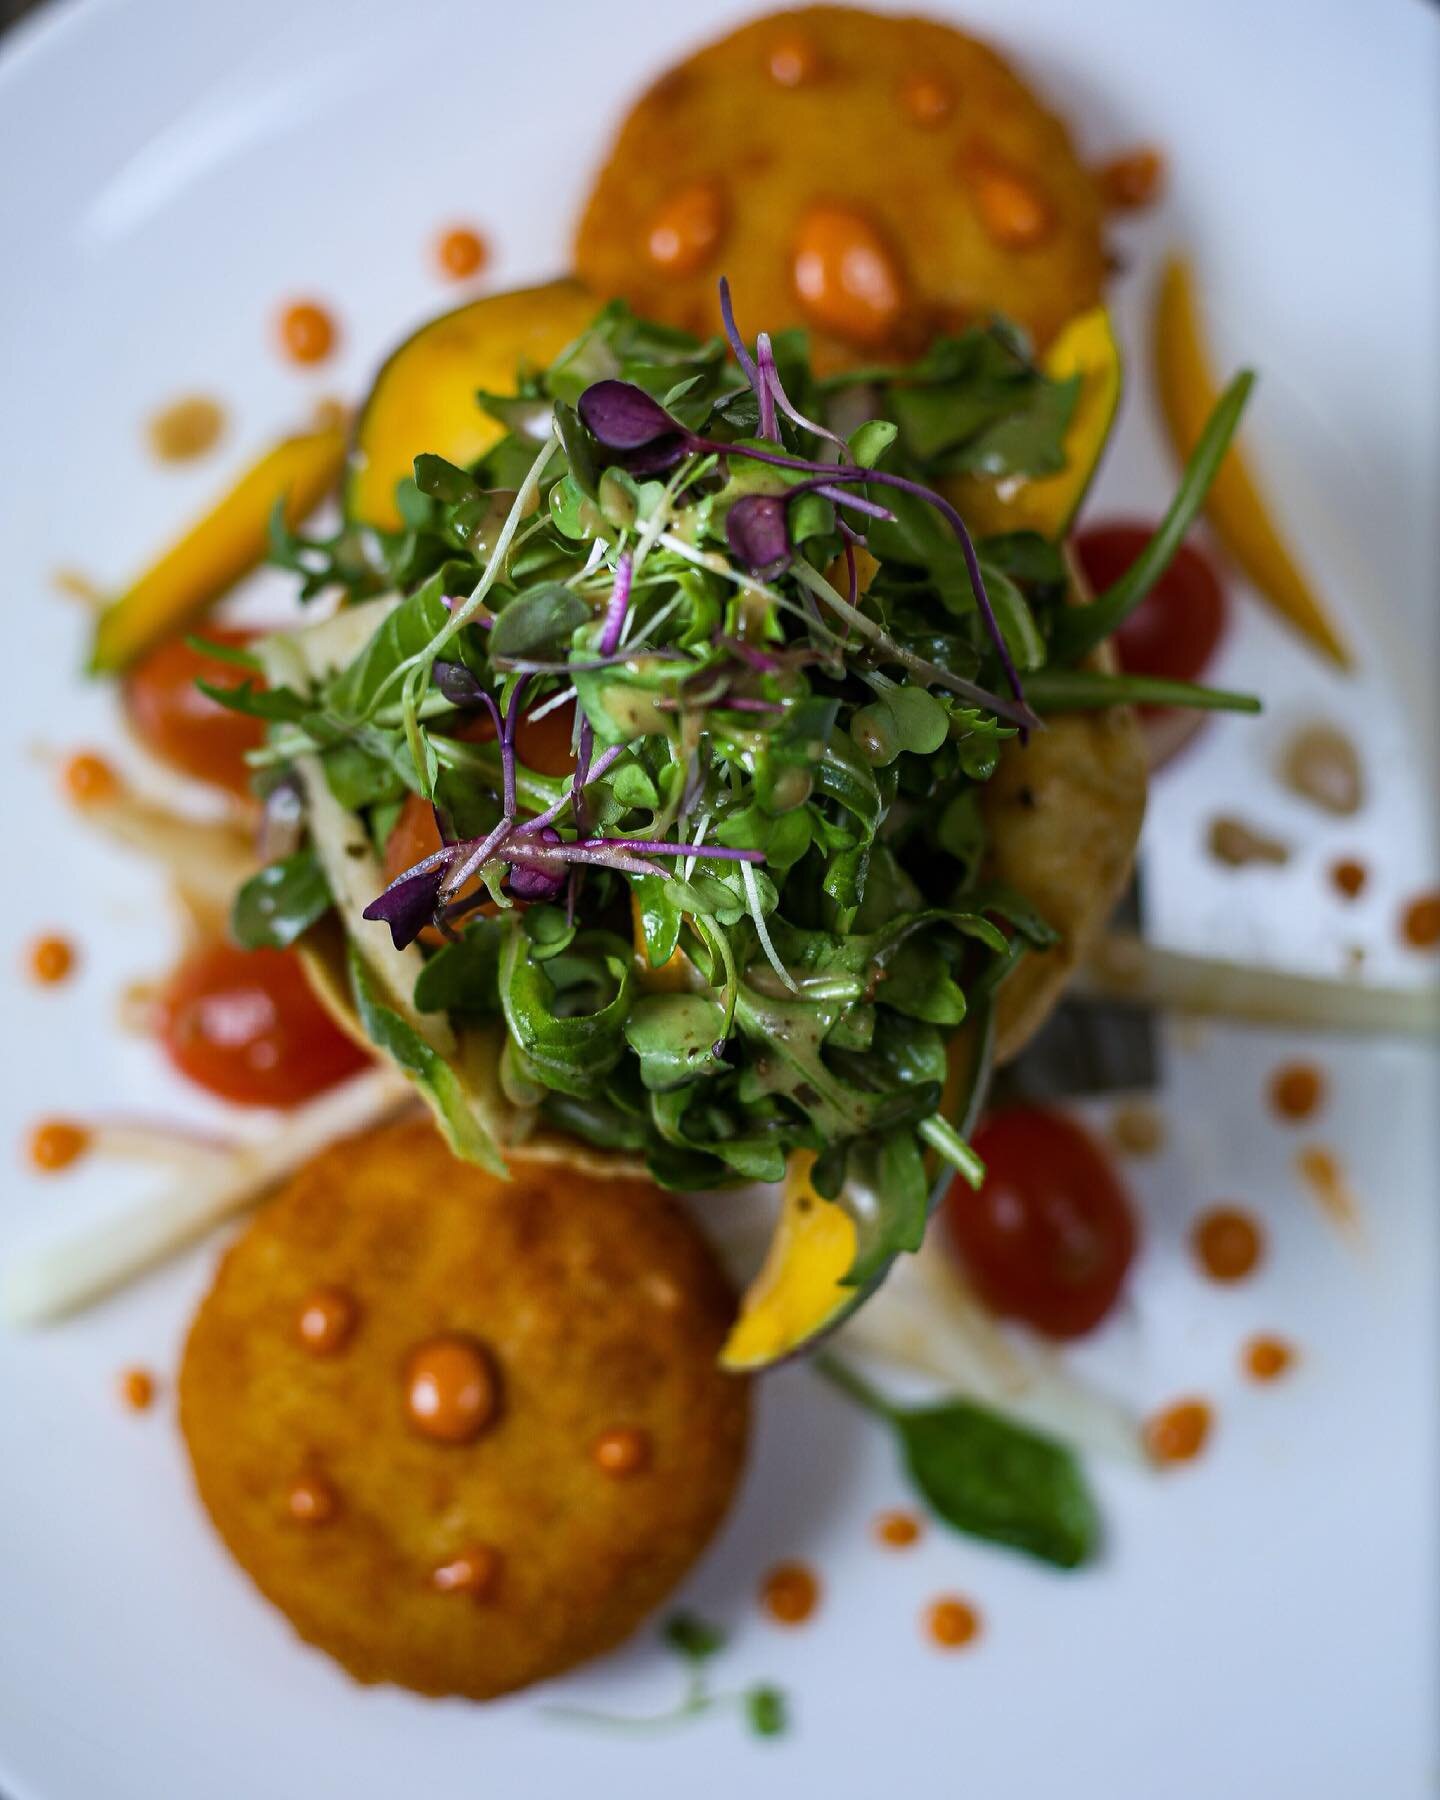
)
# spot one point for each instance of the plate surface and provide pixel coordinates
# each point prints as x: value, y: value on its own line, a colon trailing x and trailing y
x: 1260, y: 1624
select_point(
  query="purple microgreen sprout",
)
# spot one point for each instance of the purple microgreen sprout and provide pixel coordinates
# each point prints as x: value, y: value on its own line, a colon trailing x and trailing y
x: 614, y: 623
x: 758, y: 533
x: 737, y: 343
x: 769, y: 382
x: 458, y: 684
x: 409, y: 903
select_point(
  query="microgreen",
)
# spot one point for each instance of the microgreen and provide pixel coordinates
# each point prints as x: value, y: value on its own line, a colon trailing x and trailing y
x: 746, y: 918
x: 697, y: 1643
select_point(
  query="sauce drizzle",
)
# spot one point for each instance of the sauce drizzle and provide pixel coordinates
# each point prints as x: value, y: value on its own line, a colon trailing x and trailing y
x: 1297, y: 1091
x: 622, y: 1451
x: 52, y: 960
x: 307, y: 332
x: 1179, y: 1433
x: 474, y: 1571
x: 57, y: 1143
x: 1267, y: 1358
x: 790, y: 1593
x: 137, y: 1389
x: 461, y: 253
x: 951, y: 1623
x: 326, y: 1320
x: 452, y: 1391
x: 1227, y: 1243
x: 897, y: 1530
x: 185, y: 429
x: 1420, y: 924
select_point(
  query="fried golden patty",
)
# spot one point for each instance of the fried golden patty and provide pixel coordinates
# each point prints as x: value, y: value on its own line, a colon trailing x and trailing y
x: 463, y: 1433
x: 877, y: 178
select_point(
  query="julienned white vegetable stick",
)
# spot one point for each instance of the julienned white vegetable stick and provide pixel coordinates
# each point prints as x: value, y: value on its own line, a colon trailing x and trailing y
x: 1125, y: 968
x: 56, y: 1277
x: 339, y: 837
x: 924, y: 1318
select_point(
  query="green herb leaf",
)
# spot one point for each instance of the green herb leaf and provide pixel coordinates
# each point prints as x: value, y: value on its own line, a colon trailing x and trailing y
x: 280, y: 902
x: 539, y: 623
x: 987, y: 1476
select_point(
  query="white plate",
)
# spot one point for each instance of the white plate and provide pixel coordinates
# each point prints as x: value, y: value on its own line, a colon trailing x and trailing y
x: 1261, y: 1624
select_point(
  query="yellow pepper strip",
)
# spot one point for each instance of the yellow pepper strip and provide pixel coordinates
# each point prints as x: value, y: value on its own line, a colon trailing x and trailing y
x: 221, y: 547
x: 800, y: 1288
x: 1048, y: 503
x: 1236, y: 506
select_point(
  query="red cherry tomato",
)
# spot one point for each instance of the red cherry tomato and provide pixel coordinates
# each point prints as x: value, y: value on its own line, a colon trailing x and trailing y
x: 186, y: 728
x: 1173, y: 632
x: 245, y: 1025
x: 1051, y: 1233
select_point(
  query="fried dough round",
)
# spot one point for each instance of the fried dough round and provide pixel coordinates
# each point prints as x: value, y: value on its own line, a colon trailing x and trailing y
x: 962, y: 192
x: 1063, y: 814
x: 597, y: 1459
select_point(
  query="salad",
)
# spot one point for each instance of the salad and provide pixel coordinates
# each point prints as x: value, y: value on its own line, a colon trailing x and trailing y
x: 757, y: 919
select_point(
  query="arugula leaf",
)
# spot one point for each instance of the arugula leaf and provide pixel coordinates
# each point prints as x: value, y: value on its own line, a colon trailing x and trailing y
x: 567, y: 1013
x: 436, y: 1081
x: 674, y: 1036
x: 987, y: 1476
x: 280, y: 902
x: 463, y: 977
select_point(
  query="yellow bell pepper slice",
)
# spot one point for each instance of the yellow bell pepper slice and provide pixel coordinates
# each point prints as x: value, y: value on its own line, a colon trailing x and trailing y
x: 800, y: 1287
x: 1236, y: 506
x: 221, y: 547
x: 1048, y: 504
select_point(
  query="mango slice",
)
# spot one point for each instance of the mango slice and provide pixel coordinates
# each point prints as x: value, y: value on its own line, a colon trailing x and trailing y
x: 1237, y: 507
x: 1085, y: 347
x: 225, y: 544
x: 423, y: 399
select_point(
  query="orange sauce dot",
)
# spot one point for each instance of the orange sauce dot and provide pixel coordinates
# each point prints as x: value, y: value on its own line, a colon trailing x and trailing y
x: 790, y: 1593
x: 687, y: 228
x: 1179, y: 1433
x: 312, y: 1501
x: 326, y: 1320
x: 951, y: 1623
x: 475, y: 1571
x: 51, y: 960
x: 88, y: 779
x: 307, y: 332
x: 137, y: 1389
x: 1349, y: 877
x: 793, y: 61
x: 461, y: 253
x: 1266, y: 1358
x: 622, y: 1451
x: 186, y: 428
x: 897, y: 1530
x: 927, y: 100
x: 1132, y: 180
x: 1012, y: 208
x: 1227, y: 1243
x: 1297, y: 1090
x: 1421, y: 922
x: 847, y: 277
x: 451, y: 1389
x: 56, y: 1143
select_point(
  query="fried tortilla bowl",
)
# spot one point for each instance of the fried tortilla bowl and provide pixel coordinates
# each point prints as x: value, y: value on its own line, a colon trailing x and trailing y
x: 603, y: 1457
x: 877, y: 178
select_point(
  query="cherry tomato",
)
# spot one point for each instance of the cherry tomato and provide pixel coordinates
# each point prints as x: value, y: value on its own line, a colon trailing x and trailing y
x: 541, y: 744
x: 1173, y: 632
x: 245, y: 1025
x: 1051, y: 1233
x: 186, y: 728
